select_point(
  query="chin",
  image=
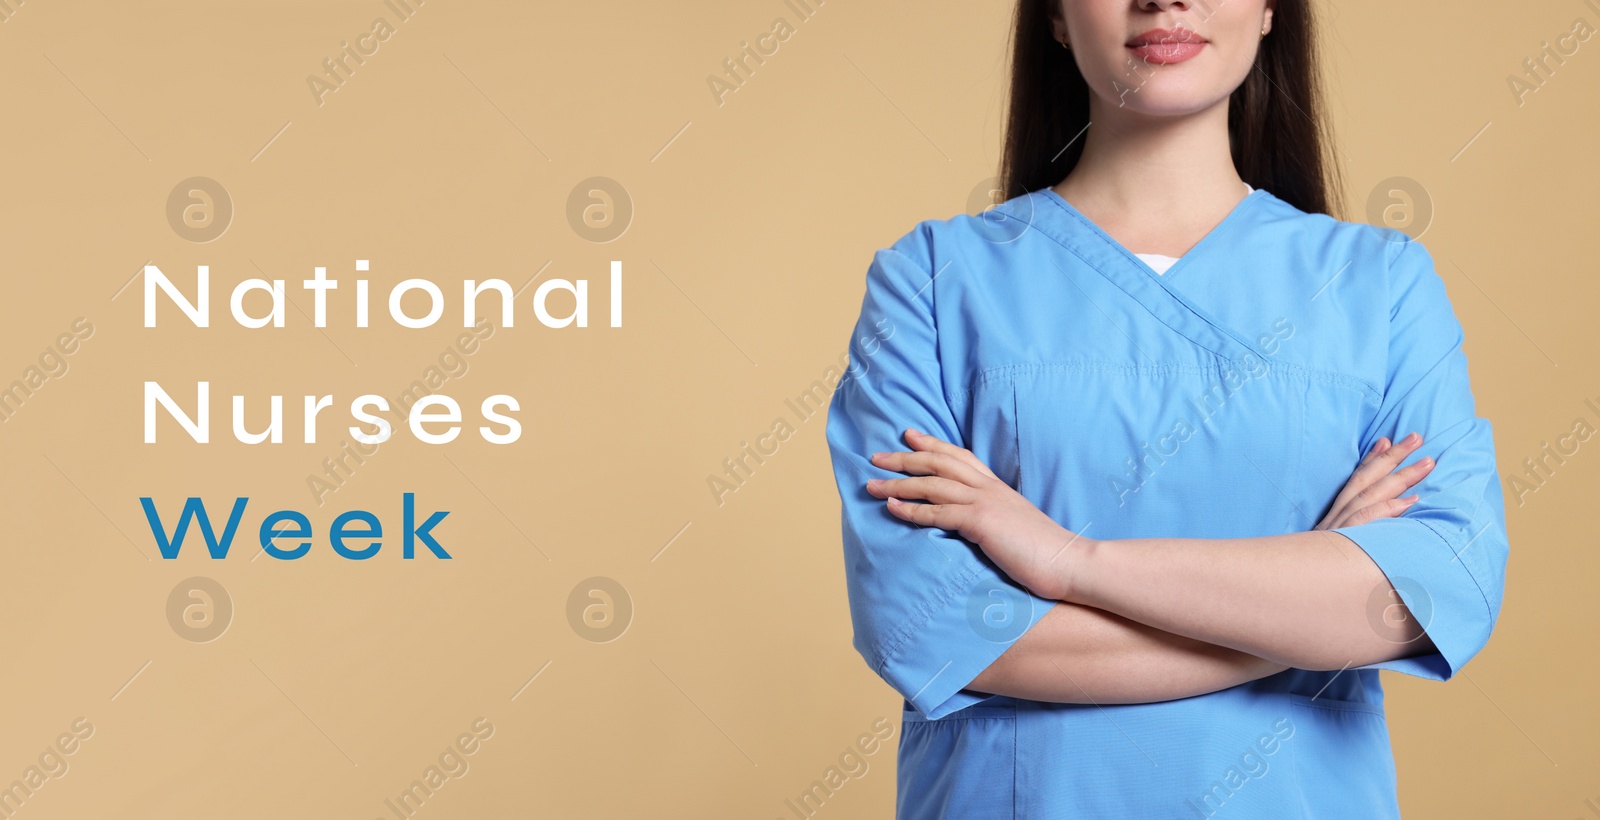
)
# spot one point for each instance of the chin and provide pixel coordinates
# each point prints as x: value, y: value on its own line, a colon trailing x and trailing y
x: 1170, y: 99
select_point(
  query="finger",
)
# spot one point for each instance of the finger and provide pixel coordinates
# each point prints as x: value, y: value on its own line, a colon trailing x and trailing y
x: 931, y: 463
x: 1384, y: 463
x: 918, y: 462
x: 1395, y: 483
x: 1389, y: 508
x: 1359, y: 479
x: 1378, y: 447
x: 923, y: 441
x: 929, y: 515
x: 1371, y: 470
x: 928, y: 488
x: 1391, y: 457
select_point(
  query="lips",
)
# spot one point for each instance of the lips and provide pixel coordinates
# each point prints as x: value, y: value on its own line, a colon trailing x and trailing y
x: 1164, y: 46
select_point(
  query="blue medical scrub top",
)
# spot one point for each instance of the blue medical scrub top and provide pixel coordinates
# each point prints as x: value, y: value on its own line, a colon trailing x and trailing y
x: 1231, y: 397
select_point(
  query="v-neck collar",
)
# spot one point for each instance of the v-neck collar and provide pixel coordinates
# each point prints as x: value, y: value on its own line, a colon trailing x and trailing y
x: 1182, y: 262
x: 1058, y: 219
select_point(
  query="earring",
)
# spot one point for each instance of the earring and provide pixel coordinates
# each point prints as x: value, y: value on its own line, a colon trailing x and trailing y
x: 1263, y: 32
x: 1068, y: 47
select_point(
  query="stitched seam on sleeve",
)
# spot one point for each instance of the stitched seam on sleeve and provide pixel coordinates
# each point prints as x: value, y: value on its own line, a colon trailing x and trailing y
x: 890, y: 652
x: 1455, y: 559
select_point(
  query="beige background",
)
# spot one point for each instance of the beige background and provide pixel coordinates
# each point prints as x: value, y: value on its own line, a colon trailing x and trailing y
x: 450, y: 154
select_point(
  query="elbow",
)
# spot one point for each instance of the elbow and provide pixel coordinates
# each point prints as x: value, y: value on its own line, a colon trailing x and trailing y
x: 1366, y: 653
x: 1320, y: 661
x: 995, y: 679
x: 1383, y: 630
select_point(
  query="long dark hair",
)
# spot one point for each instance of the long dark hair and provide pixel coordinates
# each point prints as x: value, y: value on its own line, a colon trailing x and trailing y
x: 1276, y: 124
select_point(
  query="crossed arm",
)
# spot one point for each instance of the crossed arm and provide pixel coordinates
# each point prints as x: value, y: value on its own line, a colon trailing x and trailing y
x: 1150, y: 619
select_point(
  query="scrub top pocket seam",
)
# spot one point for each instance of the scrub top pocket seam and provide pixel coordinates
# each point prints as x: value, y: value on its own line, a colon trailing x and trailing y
x: 1332, y: 377
x: 1313, y: 702
x: 1010, y: 372
x: 978, y: 712
x: 988, y: 376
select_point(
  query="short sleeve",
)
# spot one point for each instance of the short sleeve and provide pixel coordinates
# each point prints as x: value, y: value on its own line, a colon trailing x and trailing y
x: 925, y: 604
x: 1446, y: 555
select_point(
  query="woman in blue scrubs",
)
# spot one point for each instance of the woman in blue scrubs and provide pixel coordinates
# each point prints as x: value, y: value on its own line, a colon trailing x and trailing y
x: 1123, y: 462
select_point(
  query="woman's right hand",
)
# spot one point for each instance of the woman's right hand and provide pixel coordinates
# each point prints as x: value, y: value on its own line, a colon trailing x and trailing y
x: 1374, y: 488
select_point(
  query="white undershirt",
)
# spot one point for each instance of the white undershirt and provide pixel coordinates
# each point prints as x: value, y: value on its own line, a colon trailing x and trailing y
x: 1160, y: 262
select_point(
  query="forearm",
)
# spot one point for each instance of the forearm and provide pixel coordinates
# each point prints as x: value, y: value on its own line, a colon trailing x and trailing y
x: 1299, y: 599
x: 1077, y: 654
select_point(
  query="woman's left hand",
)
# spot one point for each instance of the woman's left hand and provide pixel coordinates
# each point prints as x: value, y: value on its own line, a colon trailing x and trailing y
x: 965, y: 496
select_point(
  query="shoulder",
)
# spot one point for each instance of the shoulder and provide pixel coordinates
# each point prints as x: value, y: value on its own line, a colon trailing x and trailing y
x: 1372, y: 250
x: 1374, y: 239
x: 1392, y: 267
x: 933, y: 241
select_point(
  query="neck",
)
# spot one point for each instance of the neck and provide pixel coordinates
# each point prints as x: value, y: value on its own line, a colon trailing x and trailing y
x: 1134, y: 163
